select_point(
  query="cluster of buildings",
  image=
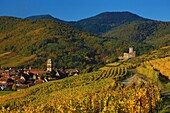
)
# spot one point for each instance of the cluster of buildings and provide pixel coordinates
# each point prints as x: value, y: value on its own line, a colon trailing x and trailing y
x: 24, y: 78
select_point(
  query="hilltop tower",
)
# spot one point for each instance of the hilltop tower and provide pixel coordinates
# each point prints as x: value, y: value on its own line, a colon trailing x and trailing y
x: 131, y: 54
x: 49, y: 65
x: 131, y: 50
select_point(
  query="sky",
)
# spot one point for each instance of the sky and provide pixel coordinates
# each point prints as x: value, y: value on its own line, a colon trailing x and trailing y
x: 73, y: 10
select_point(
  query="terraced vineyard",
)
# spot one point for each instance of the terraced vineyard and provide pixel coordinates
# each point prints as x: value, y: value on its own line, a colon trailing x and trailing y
x: 153, y: 68
x: 115, y: 70
x: 83, y: 94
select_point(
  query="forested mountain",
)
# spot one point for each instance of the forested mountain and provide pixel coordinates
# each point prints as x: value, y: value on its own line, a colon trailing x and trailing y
x: 68, y: 47
x: 104, y: 22
x: 100, y: 23
x: 154, y: 33
x: 33, y: 40
x: 128, y: 28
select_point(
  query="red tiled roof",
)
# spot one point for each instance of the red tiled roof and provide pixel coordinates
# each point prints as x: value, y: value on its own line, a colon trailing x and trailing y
x: 15, y: 77
x: 38, y: 81
x: 21, y: 80
x: 10, y: 83
x: 1, y: 71
x: 3, y: 78
x: 36, y: 71
x: 5, y: 73
x: 71, y: 70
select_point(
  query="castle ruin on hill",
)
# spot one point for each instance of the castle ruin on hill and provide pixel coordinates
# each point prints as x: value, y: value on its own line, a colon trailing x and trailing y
x: 131, y: 54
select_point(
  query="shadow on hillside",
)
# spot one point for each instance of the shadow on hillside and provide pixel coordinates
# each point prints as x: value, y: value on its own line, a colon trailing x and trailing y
x: 163, y: 78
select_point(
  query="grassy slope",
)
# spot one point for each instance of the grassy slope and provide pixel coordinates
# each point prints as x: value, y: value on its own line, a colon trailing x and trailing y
x: 5, y: 92
x: 9, y: 59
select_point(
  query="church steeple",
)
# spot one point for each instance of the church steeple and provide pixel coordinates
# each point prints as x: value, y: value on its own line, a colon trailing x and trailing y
x: 49, y: 65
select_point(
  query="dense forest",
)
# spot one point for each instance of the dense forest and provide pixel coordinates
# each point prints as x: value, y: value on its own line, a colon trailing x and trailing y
x: 106, y: 21
x: 67, y: 46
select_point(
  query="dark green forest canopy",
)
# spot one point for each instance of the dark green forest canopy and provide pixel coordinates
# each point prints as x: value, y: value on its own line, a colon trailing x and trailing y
x: 104, y: 22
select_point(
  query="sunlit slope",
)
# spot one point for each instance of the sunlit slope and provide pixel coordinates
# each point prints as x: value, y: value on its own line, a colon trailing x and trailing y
x: 81, y: 93
x: 10, y: 59
x: 45, y: 39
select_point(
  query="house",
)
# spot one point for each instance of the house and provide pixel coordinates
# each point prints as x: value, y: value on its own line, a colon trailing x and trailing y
x: 3, y: 80
x: 131, y: 54
x: 2, y: 88
x: 32, y: 74
x: 9, y: 83
x: 35, y: 71
x: 5, y: 73
x: 71, y: 72
x: 1, y: 71
x: 39, y: 81
x: 53, y: 75
x: 22, y: 86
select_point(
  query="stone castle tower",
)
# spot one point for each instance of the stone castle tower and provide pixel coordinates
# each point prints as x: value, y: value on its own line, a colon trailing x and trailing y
x: 131, y: 54
x: 49, y: 65
x: 131, y: 50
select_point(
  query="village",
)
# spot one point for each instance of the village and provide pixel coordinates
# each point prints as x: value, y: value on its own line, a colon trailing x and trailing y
x: 17, y: 79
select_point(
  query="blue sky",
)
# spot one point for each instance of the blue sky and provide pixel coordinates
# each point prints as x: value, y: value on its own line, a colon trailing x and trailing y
x: 72, y: 10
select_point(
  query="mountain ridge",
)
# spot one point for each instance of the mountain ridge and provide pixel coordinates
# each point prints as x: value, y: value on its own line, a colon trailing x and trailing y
x: 44, y: 16
x: 99, y: 23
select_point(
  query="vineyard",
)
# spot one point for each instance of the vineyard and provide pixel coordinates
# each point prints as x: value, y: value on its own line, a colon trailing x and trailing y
x: 116, y: 71
x: 158, y: 70
x: 83, y: 94
x: 153, y: 68
x: 102, y: 91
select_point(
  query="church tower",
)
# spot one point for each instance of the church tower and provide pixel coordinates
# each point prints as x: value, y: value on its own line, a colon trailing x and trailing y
x: 49, y: 65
